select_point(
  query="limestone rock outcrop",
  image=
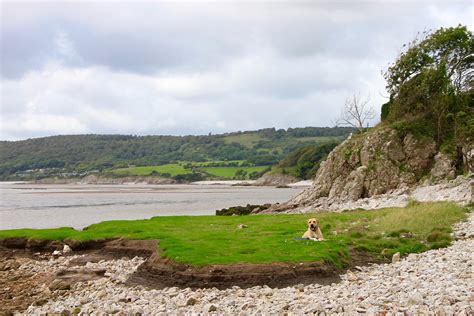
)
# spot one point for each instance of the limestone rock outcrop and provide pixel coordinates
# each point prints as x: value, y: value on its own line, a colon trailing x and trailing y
x: 380, y: 162
x: 275, y: 180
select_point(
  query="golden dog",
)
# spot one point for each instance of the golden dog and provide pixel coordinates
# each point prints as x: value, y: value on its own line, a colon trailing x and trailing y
x: 313, y: 232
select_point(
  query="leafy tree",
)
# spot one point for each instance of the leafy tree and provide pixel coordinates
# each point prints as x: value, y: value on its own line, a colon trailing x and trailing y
x: 431, y: 87
x: 240, y: 174
x: 451, y: 48
x: 305, y: 161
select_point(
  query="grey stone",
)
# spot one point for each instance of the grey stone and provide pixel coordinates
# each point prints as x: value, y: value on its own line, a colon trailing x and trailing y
x: 211, y: 308
x: 59, y: 284
x: 191, y: 301
x: 443, y: 167
x: 67, y: 249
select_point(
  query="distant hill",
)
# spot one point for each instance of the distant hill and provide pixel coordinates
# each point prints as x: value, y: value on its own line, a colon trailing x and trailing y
x: 78, y: 155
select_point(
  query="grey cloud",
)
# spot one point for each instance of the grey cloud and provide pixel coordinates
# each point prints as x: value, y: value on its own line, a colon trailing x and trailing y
x: 152, y: 68
x: 154, y: 42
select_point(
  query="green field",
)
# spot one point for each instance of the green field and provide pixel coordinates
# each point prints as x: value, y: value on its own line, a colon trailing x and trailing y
x: 210, y: 163
x: 229, y: 172
x: 171, y: 169
x: 181, y: 168
x: 247, y: 140
x: 270, y: 238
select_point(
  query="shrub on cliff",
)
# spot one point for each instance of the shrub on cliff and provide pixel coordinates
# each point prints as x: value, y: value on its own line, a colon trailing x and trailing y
x: 431, y: 86
x: 304, y: 162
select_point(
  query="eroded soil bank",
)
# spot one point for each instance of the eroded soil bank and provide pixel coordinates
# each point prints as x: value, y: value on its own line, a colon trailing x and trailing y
x: 434, y: 282
x: 22, y: 287
x: 158, y: 272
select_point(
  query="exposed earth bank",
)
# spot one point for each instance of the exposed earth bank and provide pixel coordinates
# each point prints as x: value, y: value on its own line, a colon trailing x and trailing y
x: 35, y: 271
x: 438, y: 281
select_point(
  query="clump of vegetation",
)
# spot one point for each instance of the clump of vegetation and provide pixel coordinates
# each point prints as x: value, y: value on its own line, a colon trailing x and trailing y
x: 431, y: 91
x: 439, y: 235
x: 241, y: 210
x: 400, y: 232
x: 412, y: 202
x: 305, y: 162
x: 269, y: 238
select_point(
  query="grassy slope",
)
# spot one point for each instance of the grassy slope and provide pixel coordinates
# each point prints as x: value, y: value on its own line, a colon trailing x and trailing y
x: 247, y: 140
x: 206, y: 240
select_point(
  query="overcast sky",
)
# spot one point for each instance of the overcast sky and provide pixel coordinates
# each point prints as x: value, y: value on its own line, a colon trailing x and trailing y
x: 193, y: 68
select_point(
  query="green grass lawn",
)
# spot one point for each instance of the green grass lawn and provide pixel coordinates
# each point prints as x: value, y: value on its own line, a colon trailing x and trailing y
x: 172, y: 169
x: 203, y: 240
x: 229, y: 172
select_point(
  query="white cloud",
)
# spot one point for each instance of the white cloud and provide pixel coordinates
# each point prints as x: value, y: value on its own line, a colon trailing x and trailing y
x: 167, y: 68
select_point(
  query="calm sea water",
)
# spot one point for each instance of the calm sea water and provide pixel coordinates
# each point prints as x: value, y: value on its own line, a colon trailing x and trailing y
x: 46, y: 206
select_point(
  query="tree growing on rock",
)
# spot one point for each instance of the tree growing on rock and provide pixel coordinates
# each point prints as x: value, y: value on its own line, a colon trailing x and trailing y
x: 449, y: 48
x: 356, y: 112
x: 431, y: 86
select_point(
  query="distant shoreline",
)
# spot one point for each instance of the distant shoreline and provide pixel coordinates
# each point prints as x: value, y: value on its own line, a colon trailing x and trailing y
x: 150, y: 181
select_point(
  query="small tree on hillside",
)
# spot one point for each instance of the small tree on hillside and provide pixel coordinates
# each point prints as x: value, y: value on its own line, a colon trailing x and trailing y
x: 356, y: 112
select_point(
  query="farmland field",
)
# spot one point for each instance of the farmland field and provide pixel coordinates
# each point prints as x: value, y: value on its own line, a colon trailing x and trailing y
x: 247, y: 140
x: 229, y: 172
x: 171, y: 169
x: 211, y: 168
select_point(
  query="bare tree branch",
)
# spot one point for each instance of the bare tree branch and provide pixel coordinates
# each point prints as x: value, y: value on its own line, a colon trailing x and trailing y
x: 356, y: 112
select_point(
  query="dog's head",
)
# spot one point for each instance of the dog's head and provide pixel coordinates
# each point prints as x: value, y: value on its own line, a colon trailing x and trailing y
x: 313, y: 223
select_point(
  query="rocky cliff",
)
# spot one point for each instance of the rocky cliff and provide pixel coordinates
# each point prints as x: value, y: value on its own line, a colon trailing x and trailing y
x: 380, y: 163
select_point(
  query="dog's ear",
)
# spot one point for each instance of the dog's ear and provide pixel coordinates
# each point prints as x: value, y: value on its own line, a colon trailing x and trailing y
x: 317, y: 221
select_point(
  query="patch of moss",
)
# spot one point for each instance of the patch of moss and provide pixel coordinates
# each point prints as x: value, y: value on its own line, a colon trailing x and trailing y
x: 403, y: 168
x: 348, y: 153
x: 371, y: 165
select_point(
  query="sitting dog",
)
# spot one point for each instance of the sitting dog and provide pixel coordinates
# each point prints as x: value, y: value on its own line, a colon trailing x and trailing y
x: 313, y: 232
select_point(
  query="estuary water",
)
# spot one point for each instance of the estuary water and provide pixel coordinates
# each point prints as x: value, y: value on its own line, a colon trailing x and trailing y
x: 24, y: 205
